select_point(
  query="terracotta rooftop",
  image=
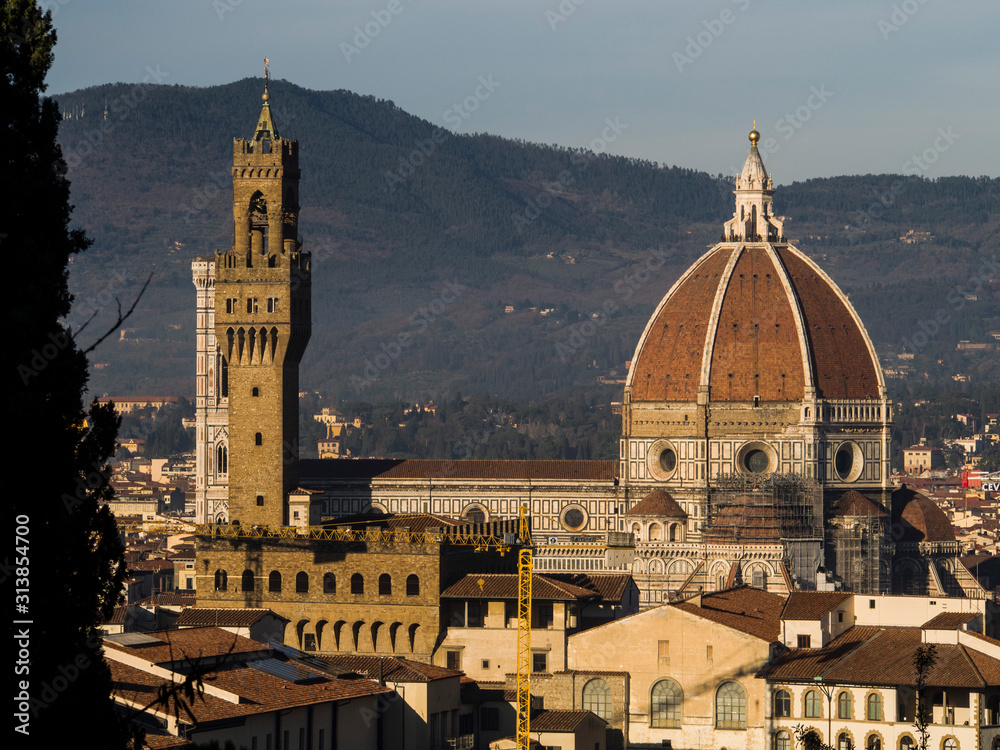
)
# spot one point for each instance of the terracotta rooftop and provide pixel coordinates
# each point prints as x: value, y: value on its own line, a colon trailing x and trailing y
x: 853, y: 503
x: 389, y: 468
x: 883, y: 656
x: 608, y: 586
x: 504, y: 586
x: 155, y: 565
x: 392, y: 668
x: 949, y: 620
x: 228, y: 617
x: 558, y: 721
x: 745, y: 609
x: 811, y: 605
x: 658, y: 503
x: 176, y: 646
x: 258, y: 691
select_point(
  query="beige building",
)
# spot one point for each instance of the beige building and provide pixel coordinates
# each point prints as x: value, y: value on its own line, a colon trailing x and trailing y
x: 856, y: 687
x: 690, y: 668
x: 479, y: 613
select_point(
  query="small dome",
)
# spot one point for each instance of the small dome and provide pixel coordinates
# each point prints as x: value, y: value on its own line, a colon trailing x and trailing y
x: 919, y: 517
x: 750, y: 518
x: 659, y: 504
x: 853, y: 503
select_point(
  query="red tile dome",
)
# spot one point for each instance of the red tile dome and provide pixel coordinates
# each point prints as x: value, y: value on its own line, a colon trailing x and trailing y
x: 754, y: 319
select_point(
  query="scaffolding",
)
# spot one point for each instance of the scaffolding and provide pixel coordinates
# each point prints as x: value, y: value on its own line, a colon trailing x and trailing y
x: 858, y: 552
x: 763, y: 508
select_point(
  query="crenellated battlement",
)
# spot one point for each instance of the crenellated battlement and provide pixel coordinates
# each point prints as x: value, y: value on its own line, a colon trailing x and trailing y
x: 266, y: 153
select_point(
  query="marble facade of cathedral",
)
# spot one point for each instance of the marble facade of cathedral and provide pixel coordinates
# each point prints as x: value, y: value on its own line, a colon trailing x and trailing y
x: 754, y: 402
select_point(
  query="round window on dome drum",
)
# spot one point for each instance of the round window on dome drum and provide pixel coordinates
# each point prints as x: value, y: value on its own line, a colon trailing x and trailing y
x: 756, y: 461
x: 661, y: 460
x: 848, y: 461
x: 757, y: 458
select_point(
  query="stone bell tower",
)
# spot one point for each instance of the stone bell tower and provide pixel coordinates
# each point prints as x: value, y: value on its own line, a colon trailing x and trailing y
x: 263, y: 323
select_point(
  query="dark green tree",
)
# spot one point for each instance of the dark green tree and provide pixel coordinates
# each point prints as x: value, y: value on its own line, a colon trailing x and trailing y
x: 68, y: 568
x: 923, y: 661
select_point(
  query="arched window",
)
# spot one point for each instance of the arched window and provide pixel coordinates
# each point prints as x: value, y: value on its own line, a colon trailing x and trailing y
x: 357, y: 584
x: 274, y: 582
x: 874, y: 708
x: 301, y: 582
x: 258, y: 439
x: 814, y: 705
x: 844, y: 705
x: 906, y: 743
x: 844, y: 741
x: 874, y: 742
x: 782, y: 704
x: 329, y: 583
x: 730, y: 707
x: 222, y: 459
x: 412, y: 585
x: 256, y: 391
x: 782, y: 741
x: 597, y: 698
x: 247, y: 583
x: 665, y: 704
x: 385, y: 584
x: 220, y: 580
x: 950, y: 744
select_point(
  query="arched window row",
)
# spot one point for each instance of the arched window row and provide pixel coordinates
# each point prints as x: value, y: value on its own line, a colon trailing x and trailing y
x: 329, y: 583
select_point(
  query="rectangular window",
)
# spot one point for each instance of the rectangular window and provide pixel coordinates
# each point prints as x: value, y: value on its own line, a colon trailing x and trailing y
x: 320, y: 745
x: 539, y: 662
x: 454, y: 659
x: 871, y: 604
x: 544, y: 614
x: 840, y: 617
x: 486, y: 663
x: 267, y: 743
x: 476, y: 615
x: 804, y: 641
x: 663, y: 653
x: 285, y: 741
x: 489, y: 718
x: 309, y: 641
x: 708, y: 655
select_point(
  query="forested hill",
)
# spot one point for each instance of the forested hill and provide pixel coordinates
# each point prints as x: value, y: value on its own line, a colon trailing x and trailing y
x: 421, y: 232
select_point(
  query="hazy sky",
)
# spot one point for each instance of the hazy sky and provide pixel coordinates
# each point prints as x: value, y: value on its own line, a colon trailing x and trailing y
x: 840, y: 87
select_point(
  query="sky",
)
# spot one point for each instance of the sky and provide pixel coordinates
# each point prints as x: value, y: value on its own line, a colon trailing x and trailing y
x: 835, y: 87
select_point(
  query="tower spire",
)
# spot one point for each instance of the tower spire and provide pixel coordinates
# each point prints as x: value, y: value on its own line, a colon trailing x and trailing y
x: 753, y: 220
x: 266, y: 129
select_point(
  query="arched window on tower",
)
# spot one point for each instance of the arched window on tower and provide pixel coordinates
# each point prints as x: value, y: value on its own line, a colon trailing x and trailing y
x: 412, y: 585
x: 222, y: 459
x: 220, y: 580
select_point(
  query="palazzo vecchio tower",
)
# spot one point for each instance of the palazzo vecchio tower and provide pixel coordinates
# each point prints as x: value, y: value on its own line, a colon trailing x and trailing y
x: 262, y: 312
